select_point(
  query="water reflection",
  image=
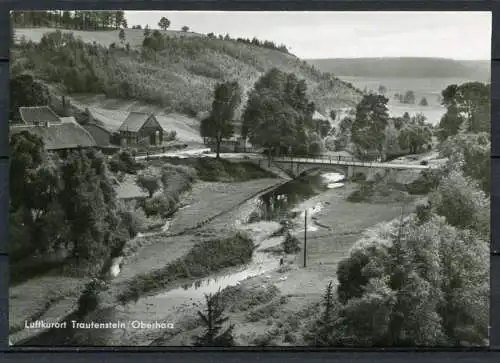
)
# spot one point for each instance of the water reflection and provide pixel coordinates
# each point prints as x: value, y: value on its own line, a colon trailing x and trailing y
x: 261, y: 263
x: 278, y: 204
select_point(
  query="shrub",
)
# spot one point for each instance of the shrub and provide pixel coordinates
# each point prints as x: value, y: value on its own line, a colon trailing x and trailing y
x: 124, y: 162
x: 89, y: 300
x: 132, y: 217
x: 291, y: 244
x: 149, y: 182
x: 425, y: 183
x: 365, y: 191
x: 160, y: 205
x: 204, y: 258
x: 263, y: 312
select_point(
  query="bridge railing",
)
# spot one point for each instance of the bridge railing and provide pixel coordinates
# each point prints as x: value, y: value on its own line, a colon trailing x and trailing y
x: 326, y: 159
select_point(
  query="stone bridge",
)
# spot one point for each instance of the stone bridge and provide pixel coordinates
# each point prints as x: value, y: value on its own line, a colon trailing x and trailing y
x: 349, y: 167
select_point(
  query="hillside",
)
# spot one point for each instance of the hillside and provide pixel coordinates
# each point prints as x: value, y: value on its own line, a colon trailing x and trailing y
x: 178, y: 78
x: 405, y: 68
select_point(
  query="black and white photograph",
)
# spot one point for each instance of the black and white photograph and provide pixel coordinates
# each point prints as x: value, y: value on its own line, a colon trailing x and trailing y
x: 249, y: 179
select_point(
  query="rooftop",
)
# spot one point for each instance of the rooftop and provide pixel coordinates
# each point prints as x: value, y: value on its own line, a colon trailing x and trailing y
x: 134, y: 121
x: 64, y: 135
x: 31, y: 115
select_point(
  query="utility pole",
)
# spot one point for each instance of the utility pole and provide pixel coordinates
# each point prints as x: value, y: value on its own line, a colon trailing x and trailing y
x: 305, y: 237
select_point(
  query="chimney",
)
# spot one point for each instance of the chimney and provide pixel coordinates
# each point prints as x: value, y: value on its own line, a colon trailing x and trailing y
x: 90, y: 119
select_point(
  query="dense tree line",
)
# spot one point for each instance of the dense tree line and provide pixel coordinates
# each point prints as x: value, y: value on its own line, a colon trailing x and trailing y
x: 263, y: 43
x: 63, y: 203
x: 369, y: 132
x: 254, y: 41
x: 80, y: 20
x: 278, y: 115
x: 408, y: 97
x: 423, y: 279
x: 468, y: 109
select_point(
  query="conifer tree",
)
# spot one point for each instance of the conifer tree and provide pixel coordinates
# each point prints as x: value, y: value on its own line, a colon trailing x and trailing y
x: 214, y: 320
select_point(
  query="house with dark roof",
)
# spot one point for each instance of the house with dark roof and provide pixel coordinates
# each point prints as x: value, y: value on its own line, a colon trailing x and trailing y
x: 141, y: 129
x: 58, y: 134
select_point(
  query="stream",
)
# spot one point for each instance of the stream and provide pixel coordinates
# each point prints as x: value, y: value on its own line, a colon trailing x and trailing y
x: 274, y: 206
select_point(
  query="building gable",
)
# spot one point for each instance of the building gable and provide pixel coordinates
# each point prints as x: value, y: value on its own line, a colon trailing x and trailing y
x: 151, y: 123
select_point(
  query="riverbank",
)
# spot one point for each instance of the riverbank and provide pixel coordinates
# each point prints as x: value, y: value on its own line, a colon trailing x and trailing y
x: 292, y: 291
x: 335, y: 225
x: 210, y: 199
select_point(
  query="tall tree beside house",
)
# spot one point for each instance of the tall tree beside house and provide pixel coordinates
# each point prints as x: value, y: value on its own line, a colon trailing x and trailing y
x: 164, y: 23
x: 25, y: 91
x: 219, y: 125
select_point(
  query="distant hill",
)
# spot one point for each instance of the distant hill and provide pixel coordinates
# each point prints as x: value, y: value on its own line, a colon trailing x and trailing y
x: 179, y: 78
x: 405, y: 68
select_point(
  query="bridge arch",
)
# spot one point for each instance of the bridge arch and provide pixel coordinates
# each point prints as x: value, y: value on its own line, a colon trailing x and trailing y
x: 349, y: 171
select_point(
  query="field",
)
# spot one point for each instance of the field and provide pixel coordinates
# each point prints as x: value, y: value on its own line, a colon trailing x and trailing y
x: 430, y: 88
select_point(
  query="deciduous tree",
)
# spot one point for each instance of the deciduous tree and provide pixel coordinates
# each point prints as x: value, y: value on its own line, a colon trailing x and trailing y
x: 219, y: 125
x: 164, y: 23
x: 149, y: 182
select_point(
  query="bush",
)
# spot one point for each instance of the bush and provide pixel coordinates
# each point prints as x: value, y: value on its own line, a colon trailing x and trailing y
x: 365, y: 191
x: 424, y: 184
x: 264, y: 340
x: 263, y: 312
x: 208, y: 169
x: 161, y: 205
x: 124, y: 162
x: 170, y: 136
x: 203, y: 259
x: 132, y: 217
x: 291, y: 244
x: 89, y: 300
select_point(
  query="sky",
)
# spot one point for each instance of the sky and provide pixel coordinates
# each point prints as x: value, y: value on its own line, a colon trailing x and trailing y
x: 456, y: 35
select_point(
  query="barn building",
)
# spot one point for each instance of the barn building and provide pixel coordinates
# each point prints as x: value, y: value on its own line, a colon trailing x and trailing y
x: 58, y: 133
x: 141, y: 129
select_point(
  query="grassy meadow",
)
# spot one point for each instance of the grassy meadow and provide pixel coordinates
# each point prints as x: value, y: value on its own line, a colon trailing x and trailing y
x: 430, y: 88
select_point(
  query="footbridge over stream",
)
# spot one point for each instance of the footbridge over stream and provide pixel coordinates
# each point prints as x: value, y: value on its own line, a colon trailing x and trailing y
x: 348, y: 166
x: 296, y: 165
